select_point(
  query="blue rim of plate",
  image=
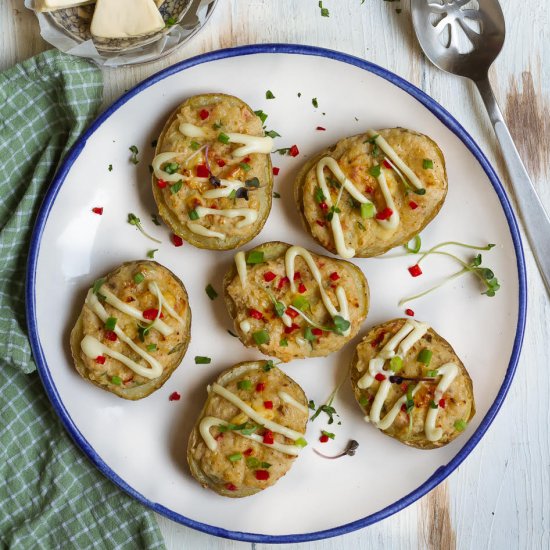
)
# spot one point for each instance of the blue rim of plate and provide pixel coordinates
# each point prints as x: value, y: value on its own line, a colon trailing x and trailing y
x: 447, y: 119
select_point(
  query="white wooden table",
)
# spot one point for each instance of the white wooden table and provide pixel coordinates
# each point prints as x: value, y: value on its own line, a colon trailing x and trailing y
x: 500, y: 496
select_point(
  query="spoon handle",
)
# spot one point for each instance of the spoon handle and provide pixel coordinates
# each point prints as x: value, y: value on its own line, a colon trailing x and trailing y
x: 535, y: 219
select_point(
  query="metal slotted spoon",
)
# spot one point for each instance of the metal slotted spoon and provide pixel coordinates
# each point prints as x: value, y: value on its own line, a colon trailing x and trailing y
x: 464, y: 38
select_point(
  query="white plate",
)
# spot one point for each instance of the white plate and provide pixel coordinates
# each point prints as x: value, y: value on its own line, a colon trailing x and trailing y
x: 142, y: 445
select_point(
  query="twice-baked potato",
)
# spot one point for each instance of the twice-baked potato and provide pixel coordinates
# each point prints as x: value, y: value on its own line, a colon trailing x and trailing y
x: 411, y: 384
x: 212, y: 175
x: 291, y: 303
x: 371, y: 192
x: 133, y: 330
x: 250, y: 430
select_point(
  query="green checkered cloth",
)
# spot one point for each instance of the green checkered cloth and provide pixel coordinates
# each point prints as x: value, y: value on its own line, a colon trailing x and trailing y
x: 50, y: 495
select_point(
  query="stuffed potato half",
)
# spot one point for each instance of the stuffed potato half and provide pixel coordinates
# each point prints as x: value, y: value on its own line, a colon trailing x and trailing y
x: 133, y: 330
x: 250, y: 430
x: 371, y: 192
x: 411, y: 384
x: 212, y: 176
x: 291, y: 303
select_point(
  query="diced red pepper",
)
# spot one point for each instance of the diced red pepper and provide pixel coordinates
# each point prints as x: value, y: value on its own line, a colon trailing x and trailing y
x: 415, y: 270
x: 442, y: 403
x: 247, y: 160
x: 369, y: 190
x: 230, y: 487
x: 262, y: 475
x: 334, y: 276
x: 323, y: 206
x: 385, y: 214
x: 291, y: 328
x: 220, y: 163
x: 387, y: 164
x: 409, y: 312
x: 378, y: 340
x: 297, y: 275
x: 218, y: 437
x: 380, y: 377
x: 293, y: 151
x: 161, y: 184
x: 98, y: 210
x: 174, y: 396
x: 276, y: 171
x: 323, y: 438
x: 404, y: 408
x: 248, y: 452
x: 260, y: 386
x: 202, y: 171
x: 291, y: 313
x: 320, y: 128
x: 177, y: 240
x: 282, y: 282
x: 268, y: 404
x: 100, y: 359
x: 269, y: 276
x: 321, y: 223
x: 317, y: 331
x: 254, y: 313
x: 204, y: 114
x: 111, y: 335
x: 302, y: 288
x: 268, y: 437
x: 413, y: 205
x: 404, y: 387
x: 151, y: 314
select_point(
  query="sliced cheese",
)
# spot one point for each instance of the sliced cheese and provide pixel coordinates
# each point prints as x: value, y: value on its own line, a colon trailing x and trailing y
x: 51, y: 5
x: 125, y: 18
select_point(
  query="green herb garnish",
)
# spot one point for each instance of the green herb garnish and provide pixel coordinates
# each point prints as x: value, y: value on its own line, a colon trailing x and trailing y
x: 151, y: 253
x: 233, y: 194
x: 252, y: 462
x: 272, y: 134
x: 427, y: 164
x: 134, y: 220
x: 308, y: 334
x: 245, y: 429
x: 328, y: 434
x: 300, y: 442
x: 300, y: 302
x: 245, y: 166
x: 269, y: 95
x: 363, y: 401
x: 432, y: 373
x: 98, y: 283
x: 276, y: 195
x: 261, y: 115
x: 252, y: 182
x: 375, y: 171
x: 283, y: 342
x: 333, y: 210
x: 425, y: 356
x: 311, y: 404
x: 151, y: 347
x: 154, y: 219
x: 433, y: 404
x: 367, y: 211
x: 460, y: 425
x: 329, y: 410
x: 235, y: 457
x: 224, y: 138
x: 314, y: 102
x: 244, y: 384
x: 211, y: 292
x: 268, y: 365
x: 319, y: 195
x: 193, y: 215
x: 201, y: 360
x: 116, y: 380
x: 255, y: 257
x: 176, y: 187
x: 171, y: 21
x: 417, y: 244
x: 324, y: 11
x: 261, y: 337
x: 134, y: 150
x: 110, y: 167
x: 110, y: 323
x: 396, y: 363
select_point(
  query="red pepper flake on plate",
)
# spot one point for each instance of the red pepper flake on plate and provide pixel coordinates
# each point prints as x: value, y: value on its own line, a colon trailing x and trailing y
x: 177, y: 240
x: 321, y: 129
x: 291, y: 312
x: 409, y: 312
x: 317, y: 331
x: 442, y: 403
x: 293, y: 151
x: 291, y: 329
x: 334, y: 276
x: 248, y: 452
x: 415, y: 270
x: 174, y: 396
x: 323, y: 438
x: 98, y: 210
x: 276, y: 171
x: 282, y: 282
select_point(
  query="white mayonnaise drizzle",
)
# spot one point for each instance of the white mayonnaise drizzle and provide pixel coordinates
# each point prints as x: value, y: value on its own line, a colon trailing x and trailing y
x: 161, y: 159
x: 245, y: 326
x: 449, y: 372
x: 290, y: 258
x: 394, y: 157
x: 192, y: 131
x: 158, y: 324
x: 291, y: 401
x: 209, y: 421
x: 90, y: 345
x: 249, y: 215
x: 251, y: 144
x: 339, y: 240
x: 153, y: 287
x: 240, y: 262
x: 393, y: 221
x: 199, y: 229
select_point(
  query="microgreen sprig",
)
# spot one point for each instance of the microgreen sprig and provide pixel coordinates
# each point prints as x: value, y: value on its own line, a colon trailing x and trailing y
x: 134, y: 220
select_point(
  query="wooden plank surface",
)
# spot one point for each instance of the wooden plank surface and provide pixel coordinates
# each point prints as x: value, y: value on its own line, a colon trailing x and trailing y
x: 500, y: 496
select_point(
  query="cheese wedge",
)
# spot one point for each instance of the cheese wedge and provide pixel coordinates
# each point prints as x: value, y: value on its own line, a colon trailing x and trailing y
x: 52, y: 5
x: 125, y: 18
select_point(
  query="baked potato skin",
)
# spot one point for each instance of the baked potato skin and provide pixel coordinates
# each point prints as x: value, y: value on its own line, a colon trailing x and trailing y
x: 170, y: 350
x: 239, y: 302
x: 354, y: 156
x: 234, y: 116
x: 459, y: 397
x: 212, y: 469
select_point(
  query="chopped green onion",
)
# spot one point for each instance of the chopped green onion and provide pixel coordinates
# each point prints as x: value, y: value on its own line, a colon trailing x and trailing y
x: 308, y: 334
x: 200, y: 360
x: 171, y: 167
x: 110, y: 168
x: 375, y: 171
x: 211, y: 292
x: 245, y: 166
x: 233, y: 194
x: 269, y: 95
x: 460, y: 425
x: 268, y: 366
x: 433, y: 404
x: 176, y: 187
x: 396, y: 363
x: 340, y: 324
x: 261, y: 337
x: 367, y: 211
x: 319, y: 195
x: 265, y: 465
x: 427, y: 164
x: 255, y: 257
x: 110, y: 323
x: 300, y: 302
x: 417, y: 243
x: 300, y: 442
x: 324, y: 11
x: 252, y: 182
x: 276, y: 195
x: 117, y: 380
x: 98, y: 283
x: 328, y: 434
x: 133, y: 158
x: 151, y: 253
x: 432, y: 373
x: 363, y: 401
x: 151, y: 347
x: 252, y: 462
x: 235, y: 457
x: 224, y: 138
x: 425, y: 356
x: 283, y: 342
x: 134, y: 220
x: 171, y: 21
x: 314, y: 102
x: 261, y: 115
x: 311, y: 404
x: 195, y: 145
x: 272, y: 134
x: 193, y: 215
x: 244, y: 384
x: 280, y: 308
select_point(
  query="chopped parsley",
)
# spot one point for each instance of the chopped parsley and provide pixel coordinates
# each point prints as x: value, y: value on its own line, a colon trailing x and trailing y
x: 314, y: 102
x: 211, y: 292
x: 261, y: 115
x: 269, y: 95
x: 324, y: 11
x: 427, y: 164
x: 268, y: 365
x: 272, y: 134
x: 276, y: 195
x: 133, y: 158
x: 176, y: 187
x: 202, y: 360
x: 110, y: 167
x: 154, y: 219
x: 151, y: 253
